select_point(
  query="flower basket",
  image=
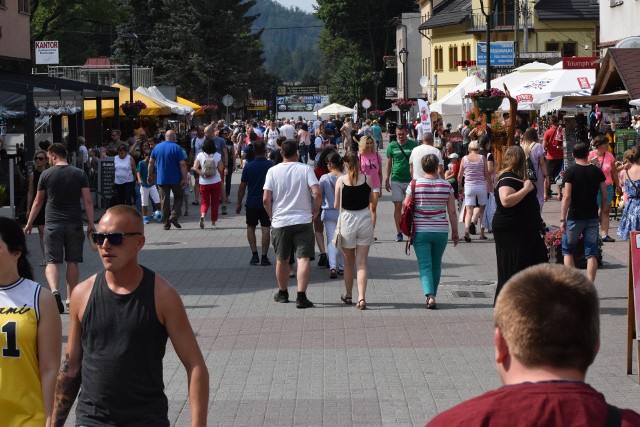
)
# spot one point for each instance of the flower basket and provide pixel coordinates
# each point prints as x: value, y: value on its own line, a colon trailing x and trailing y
x: 133, y: 109
x: 487, y: 101
x: 404, y: 105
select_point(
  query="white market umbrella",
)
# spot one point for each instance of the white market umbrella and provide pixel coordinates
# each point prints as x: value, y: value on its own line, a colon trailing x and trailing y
x: 519, y: 75
x: 551, y: 84
x: 635, y: 102
x: 334, y: 109
x: 157, y: 96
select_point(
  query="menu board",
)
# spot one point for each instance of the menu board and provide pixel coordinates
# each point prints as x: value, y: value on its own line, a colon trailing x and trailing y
x: 106, y: 177
x: 625, y: 139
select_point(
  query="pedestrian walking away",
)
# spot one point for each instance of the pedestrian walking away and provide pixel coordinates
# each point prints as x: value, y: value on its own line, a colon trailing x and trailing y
x: 292, y: 200
x: 120, y: 320
x: 209, y: 166
x: 252, y: 182
x: 63, y: 186
x: 31, y: 336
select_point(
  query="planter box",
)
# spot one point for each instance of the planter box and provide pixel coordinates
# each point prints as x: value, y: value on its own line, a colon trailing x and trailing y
x: 7, y: 212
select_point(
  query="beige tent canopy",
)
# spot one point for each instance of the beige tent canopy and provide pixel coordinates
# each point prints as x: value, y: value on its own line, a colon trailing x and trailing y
x: 334, y: 109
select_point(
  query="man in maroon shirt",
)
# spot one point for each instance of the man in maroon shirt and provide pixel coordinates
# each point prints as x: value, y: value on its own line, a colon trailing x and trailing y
x: 547, y: 334
x: 552, y: 143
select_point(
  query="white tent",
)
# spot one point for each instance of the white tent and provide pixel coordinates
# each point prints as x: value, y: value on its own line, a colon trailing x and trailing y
x: 519, y: 75
x: 635, y: 102
x: 450, y: 106
x: 572, y: 102
x: 334, y: 109
x: 176, y: 108
x: 550, y: 84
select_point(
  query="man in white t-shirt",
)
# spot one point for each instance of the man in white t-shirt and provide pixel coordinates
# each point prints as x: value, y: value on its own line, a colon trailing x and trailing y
x: 287, y: 198
x: 288, y: 130
x: 415, y: 159
x: 196, y: 148
x: 271, y: 136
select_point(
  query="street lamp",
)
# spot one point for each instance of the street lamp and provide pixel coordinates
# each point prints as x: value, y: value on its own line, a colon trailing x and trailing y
x: 488, y: 15
x: 130, y: 40
x: 402, y: 55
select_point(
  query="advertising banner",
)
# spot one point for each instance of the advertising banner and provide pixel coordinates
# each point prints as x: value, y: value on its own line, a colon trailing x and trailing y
x: 47, y: 52
x: 302, y: 90
x: 301, y: 103
x: 425, y: 116
x: 502, y: 54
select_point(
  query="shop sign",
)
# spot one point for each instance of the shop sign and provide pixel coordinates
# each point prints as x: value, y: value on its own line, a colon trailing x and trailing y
x: 301, y: 103
x: 301, y: 90
x: 47, y: 52
x: 257, y: 105
x: 502, y: 54
x: 583, y: 82
x: 577, y: 63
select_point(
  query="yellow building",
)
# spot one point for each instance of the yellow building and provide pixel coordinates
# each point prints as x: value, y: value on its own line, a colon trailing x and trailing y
x: 453, y: 27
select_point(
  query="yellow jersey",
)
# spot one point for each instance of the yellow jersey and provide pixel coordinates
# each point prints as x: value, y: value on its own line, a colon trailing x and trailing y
x: 21, y: 402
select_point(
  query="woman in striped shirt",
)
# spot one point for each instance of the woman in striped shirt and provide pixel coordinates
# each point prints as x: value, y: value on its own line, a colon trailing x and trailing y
x: 433, y: 201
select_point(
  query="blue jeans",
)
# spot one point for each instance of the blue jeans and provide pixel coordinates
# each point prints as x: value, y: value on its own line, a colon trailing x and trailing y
x: 304, y: 154
x: 589, y: 229
x: 429, y: 249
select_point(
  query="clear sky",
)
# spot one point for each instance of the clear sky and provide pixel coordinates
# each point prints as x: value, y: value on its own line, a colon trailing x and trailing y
x: 302, y: 4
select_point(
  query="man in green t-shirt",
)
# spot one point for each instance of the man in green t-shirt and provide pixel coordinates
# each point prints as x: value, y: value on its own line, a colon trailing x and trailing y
x: 398, y: 174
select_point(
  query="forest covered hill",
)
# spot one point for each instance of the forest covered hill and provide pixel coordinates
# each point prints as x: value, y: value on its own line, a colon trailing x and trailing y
x: 290, y: 40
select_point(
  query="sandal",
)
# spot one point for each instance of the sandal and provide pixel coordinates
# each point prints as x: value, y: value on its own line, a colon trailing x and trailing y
x: 362, y: 304
x: 345, y: 299
x: 334, y: 274
x: 431, y: 303
x: 467, y: 238
x: 482, y: 238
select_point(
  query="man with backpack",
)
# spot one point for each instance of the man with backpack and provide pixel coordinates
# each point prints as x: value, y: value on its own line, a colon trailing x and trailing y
x: 271, y: 136
x: 552, y: 143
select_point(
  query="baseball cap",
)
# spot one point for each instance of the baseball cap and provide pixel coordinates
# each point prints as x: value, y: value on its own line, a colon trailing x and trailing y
x: 453, y: 156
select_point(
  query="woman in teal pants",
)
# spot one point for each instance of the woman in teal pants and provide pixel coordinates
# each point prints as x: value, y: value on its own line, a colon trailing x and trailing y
x: 433, y: 201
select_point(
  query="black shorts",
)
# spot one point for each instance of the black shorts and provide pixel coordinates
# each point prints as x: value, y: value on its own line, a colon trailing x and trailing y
x: 553, y: 168
x: 255, y: 215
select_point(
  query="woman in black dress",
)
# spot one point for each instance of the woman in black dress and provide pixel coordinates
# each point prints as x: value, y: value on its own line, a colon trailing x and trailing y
x: 40, y: 164
x: 517, y: 223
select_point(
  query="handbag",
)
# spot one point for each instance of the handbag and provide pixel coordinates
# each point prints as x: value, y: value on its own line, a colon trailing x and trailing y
x: 406, y: 220
x: 337, y: 237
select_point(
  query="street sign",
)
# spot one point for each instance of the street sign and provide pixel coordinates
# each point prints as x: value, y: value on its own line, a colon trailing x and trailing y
x: 227, y: 100
x: 540, y: 55
x: 502, y: 54
x: 366, y: 104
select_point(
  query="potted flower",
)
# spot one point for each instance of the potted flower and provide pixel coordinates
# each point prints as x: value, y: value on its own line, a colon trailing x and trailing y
x: 132, y: 109
x: 553, y: 241
x: 404, y: 104
x: 487, y: 101
x: 376, y: 114
x: 497, y: 128
x: 210, y: 107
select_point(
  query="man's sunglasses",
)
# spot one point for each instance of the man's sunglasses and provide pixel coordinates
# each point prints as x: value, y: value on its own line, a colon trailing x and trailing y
x: 115, y: 239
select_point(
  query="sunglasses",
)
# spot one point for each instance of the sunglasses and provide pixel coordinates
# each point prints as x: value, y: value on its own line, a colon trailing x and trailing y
x: 39, y: 158
x: 115, y: 239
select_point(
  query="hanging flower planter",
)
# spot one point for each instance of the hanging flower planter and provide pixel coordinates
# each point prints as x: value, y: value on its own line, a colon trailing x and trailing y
x: 404, y: 105
x: 487, y: 101
x: 133, y: 109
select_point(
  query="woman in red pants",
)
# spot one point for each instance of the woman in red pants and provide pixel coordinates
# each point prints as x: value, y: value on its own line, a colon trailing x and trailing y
x: 209, y: 166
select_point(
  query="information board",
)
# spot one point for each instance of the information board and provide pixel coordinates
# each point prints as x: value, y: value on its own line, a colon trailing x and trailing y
x: 625, y: 139
x: 502, y: 54
x: 106, y: 177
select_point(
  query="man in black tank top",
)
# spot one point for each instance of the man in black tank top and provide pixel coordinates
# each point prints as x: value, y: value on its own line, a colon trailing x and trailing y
x: 120, y: 320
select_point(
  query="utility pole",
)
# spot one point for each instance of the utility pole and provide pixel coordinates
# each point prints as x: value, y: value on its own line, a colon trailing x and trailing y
x: 516, y: 27
x: 525, y: 14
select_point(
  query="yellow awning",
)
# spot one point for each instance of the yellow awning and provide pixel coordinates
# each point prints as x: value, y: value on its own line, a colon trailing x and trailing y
x: 197, y: 109
x: 153, y: 108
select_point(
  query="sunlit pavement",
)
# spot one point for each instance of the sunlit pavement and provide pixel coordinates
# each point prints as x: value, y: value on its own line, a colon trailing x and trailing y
x: 395, y: 363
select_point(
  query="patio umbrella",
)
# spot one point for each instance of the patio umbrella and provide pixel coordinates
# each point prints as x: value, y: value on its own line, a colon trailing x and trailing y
x: 197, y: 109
x: 522, y: 74
x: 450, y: 105
x: 550, y: 84
x: 176, y: 108
x: 334, y: 109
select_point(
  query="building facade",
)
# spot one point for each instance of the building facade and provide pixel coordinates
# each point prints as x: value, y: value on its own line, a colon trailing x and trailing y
x: 618, y: 20
x: 453, y: 27
x: 15, y: 45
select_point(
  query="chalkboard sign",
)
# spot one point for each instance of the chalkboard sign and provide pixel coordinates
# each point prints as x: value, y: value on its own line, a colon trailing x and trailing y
x: 625, y: 139
x: 106, y: 177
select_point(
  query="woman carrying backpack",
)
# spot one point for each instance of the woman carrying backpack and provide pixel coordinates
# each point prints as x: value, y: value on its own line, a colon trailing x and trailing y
x: 209, y: 166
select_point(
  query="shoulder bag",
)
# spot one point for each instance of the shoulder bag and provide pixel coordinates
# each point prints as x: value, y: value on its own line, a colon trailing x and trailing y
x: 406, y: 220
x: 337, y: 237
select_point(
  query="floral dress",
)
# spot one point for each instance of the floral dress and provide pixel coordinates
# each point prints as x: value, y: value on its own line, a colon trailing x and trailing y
x: 630, y: 220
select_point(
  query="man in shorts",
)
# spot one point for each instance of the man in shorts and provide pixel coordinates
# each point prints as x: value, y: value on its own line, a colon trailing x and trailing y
x: 120, y: 320
x: 552, y: 143
x: 398, y: 172
x: 579, y: 212
x: 288, y: 191
x: 253, y: 178
x: 547, y: 334
x: 63, y: 186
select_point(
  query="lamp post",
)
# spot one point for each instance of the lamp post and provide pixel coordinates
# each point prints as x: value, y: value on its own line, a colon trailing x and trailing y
x: 488, y: 15
x: 130, y: 40
x: 403, y: 55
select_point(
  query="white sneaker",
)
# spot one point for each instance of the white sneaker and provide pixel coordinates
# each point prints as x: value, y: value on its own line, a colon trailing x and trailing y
x: 66, y: 305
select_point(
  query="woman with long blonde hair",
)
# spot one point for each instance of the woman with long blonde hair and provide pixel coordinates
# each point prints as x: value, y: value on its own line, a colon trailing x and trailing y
x: 371, y: 165
x: 353, y: 197
x: 517, y: 223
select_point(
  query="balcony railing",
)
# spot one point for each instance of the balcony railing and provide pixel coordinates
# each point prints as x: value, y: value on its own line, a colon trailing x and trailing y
x: 501, y: 21
x: 106, y: 75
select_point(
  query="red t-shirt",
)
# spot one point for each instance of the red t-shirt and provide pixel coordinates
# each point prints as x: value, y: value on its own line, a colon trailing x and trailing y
x: 554, y: 147
x: 549, y: 404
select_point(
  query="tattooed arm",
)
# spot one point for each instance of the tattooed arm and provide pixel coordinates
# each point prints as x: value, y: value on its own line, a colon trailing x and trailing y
x: 69, y: 377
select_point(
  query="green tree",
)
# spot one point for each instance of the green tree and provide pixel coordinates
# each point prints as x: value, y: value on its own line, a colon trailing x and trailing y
x: 349, y: 81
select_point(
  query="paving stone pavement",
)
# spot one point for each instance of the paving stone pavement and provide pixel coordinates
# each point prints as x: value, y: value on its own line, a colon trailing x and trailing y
x: 395, y: 364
